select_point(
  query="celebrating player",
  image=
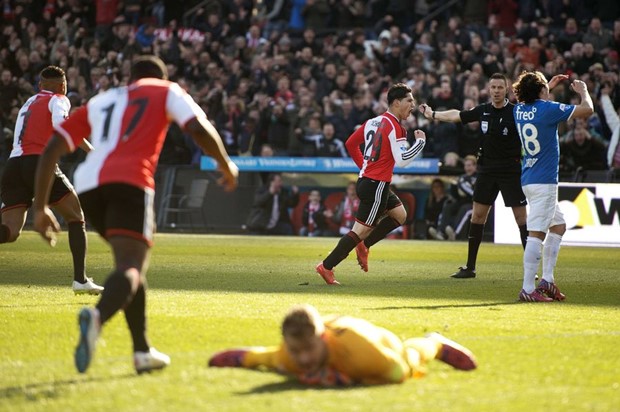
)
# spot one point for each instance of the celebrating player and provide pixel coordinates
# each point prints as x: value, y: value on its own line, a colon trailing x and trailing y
x: 116, y: 187
x: 537, y: 122
x: 34, y: 127
x: 384, y: 143
x: 342, y: 350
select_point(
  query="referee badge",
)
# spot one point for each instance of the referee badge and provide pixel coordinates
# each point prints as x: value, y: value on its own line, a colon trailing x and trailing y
x: 484, y: 126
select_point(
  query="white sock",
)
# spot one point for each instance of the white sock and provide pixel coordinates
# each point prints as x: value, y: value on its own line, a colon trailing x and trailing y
x: 531, y: 259
x: 550, y: 255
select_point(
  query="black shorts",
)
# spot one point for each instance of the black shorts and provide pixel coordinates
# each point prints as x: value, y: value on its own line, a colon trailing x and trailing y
x: 488, y: 185
x: 17, y: 185
x: 120, y: 210
x: 375, y: 199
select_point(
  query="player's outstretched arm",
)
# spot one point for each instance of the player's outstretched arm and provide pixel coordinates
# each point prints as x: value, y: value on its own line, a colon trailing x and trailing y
x: 251, y: 357
x: 452, y: 115
x: 210, y: 141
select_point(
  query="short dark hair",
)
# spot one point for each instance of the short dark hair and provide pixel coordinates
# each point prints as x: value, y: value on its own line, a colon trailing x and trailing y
x: 499, y: 76
x: 528, y: 86
x: 148, y: 66
x: 398, y: 91
x: 52, y: 73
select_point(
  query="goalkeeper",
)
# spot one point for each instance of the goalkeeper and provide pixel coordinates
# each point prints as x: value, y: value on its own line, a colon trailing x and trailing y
x: 342, y: 350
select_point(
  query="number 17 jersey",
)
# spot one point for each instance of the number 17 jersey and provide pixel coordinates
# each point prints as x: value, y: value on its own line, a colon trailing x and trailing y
x: 128, y: 127
x: 537, y: 124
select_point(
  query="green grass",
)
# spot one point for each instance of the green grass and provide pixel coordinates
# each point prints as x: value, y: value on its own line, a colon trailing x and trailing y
x: 208, y: 293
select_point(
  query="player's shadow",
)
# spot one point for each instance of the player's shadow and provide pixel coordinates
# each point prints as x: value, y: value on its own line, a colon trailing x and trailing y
x: 466, y: 305
x: 289, y: 385
x: 40, y: 390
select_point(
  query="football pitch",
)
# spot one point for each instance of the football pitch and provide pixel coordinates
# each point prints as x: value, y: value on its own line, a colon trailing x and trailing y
x: 208, y: 293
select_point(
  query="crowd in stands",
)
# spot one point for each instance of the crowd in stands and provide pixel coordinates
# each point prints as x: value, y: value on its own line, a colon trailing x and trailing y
x: 300, y: 75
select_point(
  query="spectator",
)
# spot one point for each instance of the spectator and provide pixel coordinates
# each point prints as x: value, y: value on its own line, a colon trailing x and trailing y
x: 296, y: 21
x: 598, y: 36
x: 316, y: 14
x: 278, y: 129
x: 345, y: 212
x: 457, y: 208
x: 434, y: 206
x: 269, y: 214
x: 328, y: 145
x: 569, y: 36
x: 315, y: 216
x: 612, y: 116
x: 581, y: 151
x: 273, y: 13
x: 311, y: 136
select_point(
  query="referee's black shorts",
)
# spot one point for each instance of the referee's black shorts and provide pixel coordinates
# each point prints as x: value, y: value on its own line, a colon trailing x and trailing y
x: 375, y: 199
x: 119, y: 209
x: 17, y: 185
x: 488, y: 185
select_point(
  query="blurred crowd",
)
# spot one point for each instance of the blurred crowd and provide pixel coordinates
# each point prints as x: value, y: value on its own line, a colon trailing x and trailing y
x: 300, y: 75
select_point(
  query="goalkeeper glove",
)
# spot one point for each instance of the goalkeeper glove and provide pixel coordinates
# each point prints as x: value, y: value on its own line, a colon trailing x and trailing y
x: 228, y: 358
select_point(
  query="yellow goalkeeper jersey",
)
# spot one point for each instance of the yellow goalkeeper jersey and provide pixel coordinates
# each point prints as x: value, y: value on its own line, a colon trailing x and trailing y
x: 364, y: 352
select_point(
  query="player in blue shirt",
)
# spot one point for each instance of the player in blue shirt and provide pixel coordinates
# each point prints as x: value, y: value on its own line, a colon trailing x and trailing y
x: 537, y: 121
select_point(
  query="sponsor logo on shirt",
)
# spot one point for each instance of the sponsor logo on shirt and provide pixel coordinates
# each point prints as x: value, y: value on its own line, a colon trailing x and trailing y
x: 531, y: 162
x: 563, y: 107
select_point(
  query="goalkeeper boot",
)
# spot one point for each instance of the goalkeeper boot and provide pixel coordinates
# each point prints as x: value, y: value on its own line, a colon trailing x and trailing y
x: 550, y: 289
x: 464, y: 273
x: 535, y: 296
x: 362, y: 255
x: 150, y: 361
x: 88, y: 322
x: 455, y: 355
x: 326, y: 274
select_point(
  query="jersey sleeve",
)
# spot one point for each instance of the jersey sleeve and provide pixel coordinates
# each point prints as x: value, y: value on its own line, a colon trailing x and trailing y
x: 471, y: 115
x: 353, y: 144
x: 270, y: 357
x: 180, y: 106
x: 75, y: 129
x: 558, y: 112
x: 401, y: 151
x: 59, y: 106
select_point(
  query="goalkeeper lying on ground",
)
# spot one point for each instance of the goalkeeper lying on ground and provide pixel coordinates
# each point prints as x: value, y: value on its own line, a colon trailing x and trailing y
x: 339, y: 351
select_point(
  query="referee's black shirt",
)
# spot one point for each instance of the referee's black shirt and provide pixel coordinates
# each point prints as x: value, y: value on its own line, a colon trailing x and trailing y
x: 500, y: 149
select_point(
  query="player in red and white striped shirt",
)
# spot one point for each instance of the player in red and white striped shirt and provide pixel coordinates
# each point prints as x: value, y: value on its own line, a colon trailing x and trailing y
x: 115, y: 183
x: 376, y: 147
x: 33, y: 129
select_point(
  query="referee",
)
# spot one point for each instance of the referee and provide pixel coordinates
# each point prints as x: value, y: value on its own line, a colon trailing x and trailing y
x: 499, y: 164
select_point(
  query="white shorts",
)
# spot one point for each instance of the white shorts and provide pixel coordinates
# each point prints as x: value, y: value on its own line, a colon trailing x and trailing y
x: 544, y: 209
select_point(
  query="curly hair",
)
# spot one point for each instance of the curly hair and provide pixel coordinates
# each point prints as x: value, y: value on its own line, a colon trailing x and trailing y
x: 528, y: 86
